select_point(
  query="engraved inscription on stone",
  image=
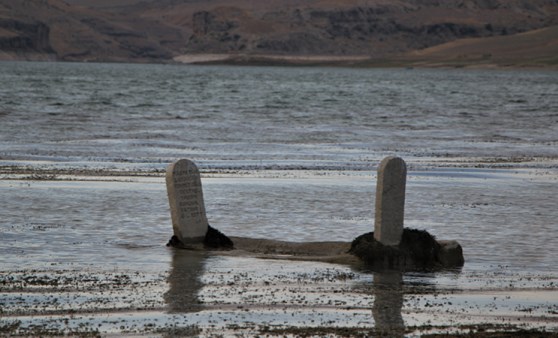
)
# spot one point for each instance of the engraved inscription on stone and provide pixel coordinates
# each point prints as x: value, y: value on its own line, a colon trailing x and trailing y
x: 186, y: 201
x: 390, y: 201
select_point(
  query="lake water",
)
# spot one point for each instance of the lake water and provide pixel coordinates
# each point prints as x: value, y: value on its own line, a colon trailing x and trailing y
x: 285, y: 153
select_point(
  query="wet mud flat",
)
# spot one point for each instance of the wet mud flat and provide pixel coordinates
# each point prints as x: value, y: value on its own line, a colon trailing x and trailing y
x: 88, y: 257
x: 207, y: 295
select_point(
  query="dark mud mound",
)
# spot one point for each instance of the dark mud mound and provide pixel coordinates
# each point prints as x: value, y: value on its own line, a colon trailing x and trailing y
x: 175, y: 242
x: 214, y: 240
x: 417, y: 250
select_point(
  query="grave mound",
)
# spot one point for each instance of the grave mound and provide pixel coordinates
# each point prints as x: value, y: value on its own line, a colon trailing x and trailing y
x: 417, y: 249
x: 214, y: 240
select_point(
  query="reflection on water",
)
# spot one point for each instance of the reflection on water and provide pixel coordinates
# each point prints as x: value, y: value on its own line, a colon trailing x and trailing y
x: 184, y: 281
x: 217, y: 293
x: 388, y: 303
x: 188, y: 276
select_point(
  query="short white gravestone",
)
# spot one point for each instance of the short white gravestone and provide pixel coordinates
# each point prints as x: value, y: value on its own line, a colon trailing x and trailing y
x: 390, y: 201
x: 184, y: 189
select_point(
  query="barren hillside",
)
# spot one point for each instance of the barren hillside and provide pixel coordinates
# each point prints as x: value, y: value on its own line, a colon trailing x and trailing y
x: 531, y: 49
x: 134, y: 30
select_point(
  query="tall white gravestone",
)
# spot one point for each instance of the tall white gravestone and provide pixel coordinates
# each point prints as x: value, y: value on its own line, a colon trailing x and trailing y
x: 185, y: 194
x: 390, y: 201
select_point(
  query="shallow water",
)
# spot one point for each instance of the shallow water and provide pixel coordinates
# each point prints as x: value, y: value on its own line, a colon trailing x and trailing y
x: 499, y: 218
x: 285, y: 153
x: 107, y: 114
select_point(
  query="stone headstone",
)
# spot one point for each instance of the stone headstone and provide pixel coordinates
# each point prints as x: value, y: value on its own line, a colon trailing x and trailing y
x: 185, y: 194
x: 390, y: 201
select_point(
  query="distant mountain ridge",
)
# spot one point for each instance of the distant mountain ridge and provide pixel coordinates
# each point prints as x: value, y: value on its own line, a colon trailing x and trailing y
x: 159, y: 31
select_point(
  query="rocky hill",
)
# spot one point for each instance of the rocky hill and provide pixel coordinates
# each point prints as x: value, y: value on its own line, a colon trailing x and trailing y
x: 53, y: 29
x: 158, y: 31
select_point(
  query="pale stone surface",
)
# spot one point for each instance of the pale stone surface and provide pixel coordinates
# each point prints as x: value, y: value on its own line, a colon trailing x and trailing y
x: 184, y: 190
x: 390, y: 201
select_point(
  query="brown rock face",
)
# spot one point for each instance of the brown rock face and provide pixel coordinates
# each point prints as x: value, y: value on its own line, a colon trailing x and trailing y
x: 24, y: 36
x: 148, y: 30
x: 378, y: 29
x: 76, y: 33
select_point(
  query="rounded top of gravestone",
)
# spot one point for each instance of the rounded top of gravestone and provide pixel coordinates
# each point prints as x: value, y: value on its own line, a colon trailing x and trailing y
x: 181, y: 165
x: 392, y: 162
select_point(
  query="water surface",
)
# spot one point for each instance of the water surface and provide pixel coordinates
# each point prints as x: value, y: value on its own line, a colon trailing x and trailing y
x: 285, y: 153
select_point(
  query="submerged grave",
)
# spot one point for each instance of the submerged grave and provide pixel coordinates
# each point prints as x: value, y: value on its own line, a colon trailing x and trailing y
x: 390, y: 246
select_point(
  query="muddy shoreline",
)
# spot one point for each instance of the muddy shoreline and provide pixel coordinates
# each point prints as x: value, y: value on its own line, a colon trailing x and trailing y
x: 233, y: 301
x: 116, y: 289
